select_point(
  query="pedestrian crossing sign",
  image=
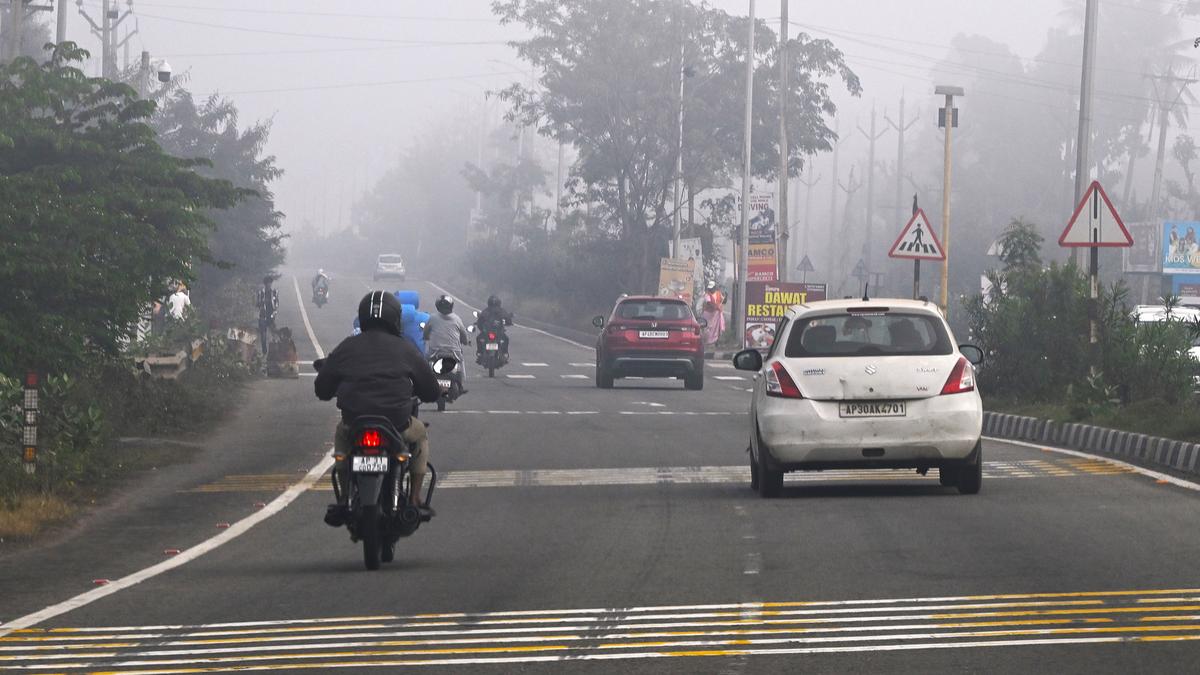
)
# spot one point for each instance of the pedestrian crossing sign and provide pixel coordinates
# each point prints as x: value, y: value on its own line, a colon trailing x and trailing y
x: 918, y: 241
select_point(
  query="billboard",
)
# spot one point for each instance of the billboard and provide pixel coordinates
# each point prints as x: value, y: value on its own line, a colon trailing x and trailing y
x: 676, y: 278
x: 1144, y: 257
x: 761, y: 263
x: 1180, y: 247
x: 767, y: 302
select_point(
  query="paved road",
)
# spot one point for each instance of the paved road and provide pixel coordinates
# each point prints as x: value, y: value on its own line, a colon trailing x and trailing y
x: 582, y: 530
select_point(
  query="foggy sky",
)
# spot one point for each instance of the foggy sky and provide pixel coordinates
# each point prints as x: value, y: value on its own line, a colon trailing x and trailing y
x: 333, y: 140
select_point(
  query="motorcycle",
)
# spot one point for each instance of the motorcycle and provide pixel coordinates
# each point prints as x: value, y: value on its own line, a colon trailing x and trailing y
x: 380, y: 484
x: 320, y: 295
x: 491, y: 346
x: 450, y: 382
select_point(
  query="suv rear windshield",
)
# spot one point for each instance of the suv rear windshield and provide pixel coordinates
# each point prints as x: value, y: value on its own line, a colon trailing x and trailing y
x: 390, y: 259
x: 652, y: 310
x: 883, y: 333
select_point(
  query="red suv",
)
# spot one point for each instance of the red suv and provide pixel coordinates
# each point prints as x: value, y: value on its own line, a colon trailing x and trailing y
x: 649, y: 336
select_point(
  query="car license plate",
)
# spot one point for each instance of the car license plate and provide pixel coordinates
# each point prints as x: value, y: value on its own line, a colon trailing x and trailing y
x: 370, y: 464
x: 872, y: 409
x: 444, y: 384
x: 492, y: 346
x: 653, y: 334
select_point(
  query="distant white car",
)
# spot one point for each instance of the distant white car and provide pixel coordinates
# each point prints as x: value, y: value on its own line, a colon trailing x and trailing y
x: 389, y: 265
x: 864, y: 384
x: 1144, y: 314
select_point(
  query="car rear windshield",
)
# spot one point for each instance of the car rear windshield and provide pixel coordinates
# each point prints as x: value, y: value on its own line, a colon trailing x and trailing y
x: 883, y: 333
x: 390, y: 259
x: 652, y: 310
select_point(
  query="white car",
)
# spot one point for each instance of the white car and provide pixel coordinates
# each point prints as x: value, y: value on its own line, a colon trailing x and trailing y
x: 865, y: 384
x: 389, y: 265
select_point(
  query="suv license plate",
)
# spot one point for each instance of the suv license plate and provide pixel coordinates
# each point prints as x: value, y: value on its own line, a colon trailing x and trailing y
x: 492, y: 346
x: 653, y: 334
x: 872, y: 409
x: 369, y: 464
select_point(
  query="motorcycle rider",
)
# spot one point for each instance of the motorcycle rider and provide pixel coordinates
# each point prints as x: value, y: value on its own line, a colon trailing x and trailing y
x: 493, y: 318
x: 377, y: 372
x: 320, y: 281
x: 445, y: 335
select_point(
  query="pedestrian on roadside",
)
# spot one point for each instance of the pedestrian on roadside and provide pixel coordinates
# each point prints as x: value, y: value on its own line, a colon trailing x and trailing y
x: 268, y: 305
x: 714, y: 314
x: 179, y: 303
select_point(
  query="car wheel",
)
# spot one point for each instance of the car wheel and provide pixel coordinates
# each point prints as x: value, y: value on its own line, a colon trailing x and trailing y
x: 695, y: 380
x: 946, y: 475
x: 604, y: 376
x: 753, y: 470
x: 970, y: 476
x: 770, y: 481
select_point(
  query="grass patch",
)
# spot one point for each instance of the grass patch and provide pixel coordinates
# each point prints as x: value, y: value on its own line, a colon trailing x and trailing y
x: 1153, y: 417
x: 27, y: 516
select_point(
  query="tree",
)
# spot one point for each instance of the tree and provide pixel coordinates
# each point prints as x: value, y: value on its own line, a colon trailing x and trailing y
x: 96, y: 216
x: 246, y: 242
x: 1021, y: 247
x: 609, y: 74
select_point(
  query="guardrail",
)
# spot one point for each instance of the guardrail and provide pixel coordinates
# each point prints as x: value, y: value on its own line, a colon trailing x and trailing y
x: 1126, y: 445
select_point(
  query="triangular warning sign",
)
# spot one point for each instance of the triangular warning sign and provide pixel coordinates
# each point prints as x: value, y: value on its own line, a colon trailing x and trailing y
x: 805, y: 266
x: 917, y: 241
x: 1095, y: 222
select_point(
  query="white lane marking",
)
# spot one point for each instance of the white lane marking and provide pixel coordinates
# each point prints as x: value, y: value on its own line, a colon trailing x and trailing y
x: 574, y: 377
x: 718, y: 364
x: 583, y: 365
x: 234, y: 531
x: 503, y: 412
x: 753, y: 563
x: 520, y: 377
x: 550, y: 335
x: 308, y: 374
x: 583, y: 412
x: 307, y: 324
x: 535, y: 365
x: 1178, y: 482
x: 728, y: 377
x: 652, y: 404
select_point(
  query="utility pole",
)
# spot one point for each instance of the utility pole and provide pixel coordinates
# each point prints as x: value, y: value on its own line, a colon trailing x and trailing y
x: 808, y: 184
x: 900, y: 128
x: 781, y: 246
x: 1166, y: 105
x: 739, y: 323
x: 1084, y: 139
x: 143, y: 76
x: 60, y: 34
x: 949, y: 120
x: 833, y: 198
x: 111, y: 18
x: 871, y: 138
x: 675, y: 197
x: 854, y: 185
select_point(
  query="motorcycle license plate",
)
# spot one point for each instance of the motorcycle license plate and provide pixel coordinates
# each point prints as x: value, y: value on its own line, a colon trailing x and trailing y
x: 872, y: 409
x: 444, y: 384
x: 653, y: 334
x: 369, y: 464
x: 492, y: 346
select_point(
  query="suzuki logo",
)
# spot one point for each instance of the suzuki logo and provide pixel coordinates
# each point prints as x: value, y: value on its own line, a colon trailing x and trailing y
x: 871, y: 369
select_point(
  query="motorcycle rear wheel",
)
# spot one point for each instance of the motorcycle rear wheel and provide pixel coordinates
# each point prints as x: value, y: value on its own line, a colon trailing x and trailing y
x: 368, y: 529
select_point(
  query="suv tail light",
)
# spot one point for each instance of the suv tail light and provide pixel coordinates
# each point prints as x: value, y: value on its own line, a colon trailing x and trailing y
x: 962, y: 378
x: 780, y: 384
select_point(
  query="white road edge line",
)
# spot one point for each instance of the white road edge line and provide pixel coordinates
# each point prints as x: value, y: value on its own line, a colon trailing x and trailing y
x: 1179, y: 482
x: 234, y: 531
x: 556, y: 337
x: 307, y: 324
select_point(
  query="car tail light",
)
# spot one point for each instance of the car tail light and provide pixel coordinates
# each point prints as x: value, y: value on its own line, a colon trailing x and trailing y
x: 780, y: 384
x: 962, y: 378
x: 371, y: 441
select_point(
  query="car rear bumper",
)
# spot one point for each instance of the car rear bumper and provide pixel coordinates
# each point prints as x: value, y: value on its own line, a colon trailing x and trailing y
x: 380, y: 274
x: 655, y: 365
x: 807, y: 434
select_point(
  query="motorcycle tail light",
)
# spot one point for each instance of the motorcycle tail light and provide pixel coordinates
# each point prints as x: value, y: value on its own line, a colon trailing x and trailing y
x: 491, y: 336
x: 370, y: 438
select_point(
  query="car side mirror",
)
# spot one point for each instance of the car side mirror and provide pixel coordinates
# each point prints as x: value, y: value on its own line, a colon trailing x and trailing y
x: 444, y: 365
x: 598, y: 321
x: 974, y: 354
x: 748, y: 359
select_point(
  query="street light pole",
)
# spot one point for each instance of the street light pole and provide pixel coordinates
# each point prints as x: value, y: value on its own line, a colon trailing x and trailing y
x: 1083, y: 140
x: 675, y: 252
x: 949, y: 92
x: 784, y: 89
x: 744, y: 235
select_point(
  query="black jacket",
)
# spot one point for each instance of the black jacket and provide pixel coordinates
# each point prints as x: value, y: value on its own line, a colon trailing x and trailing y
x: 376, y: 373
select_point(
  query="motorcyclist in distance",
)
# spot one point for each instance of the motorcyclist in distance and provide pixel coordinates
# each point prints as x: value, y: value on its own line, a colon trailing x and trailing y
x: 445, y: 334
x: 495, y: 318
x: 320, y: 281
x: 377, y: 372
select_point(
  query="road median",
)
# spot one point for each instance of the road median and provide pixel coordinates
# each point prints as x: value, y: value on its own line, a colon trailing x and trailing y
x: 1141, y: 449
